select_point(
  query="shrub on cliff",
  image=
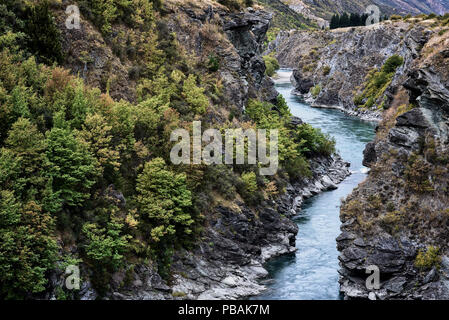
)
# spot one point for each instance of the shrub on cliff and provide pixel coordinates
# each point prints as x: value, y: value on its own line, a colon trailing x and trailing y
x: 297, y: 168
x: 315, y: 91
x: 446, y: 21
x: 250, y: 182
x: 392, y: 63
x: 213, y: 64
x: 395, y: 17
x: 426, y: 259
x: 222, y: 179
x: 326, y: 70
x: 417, y: 174
x: 378, y: 81
x: 105, y: 248
x: 135, y: 13
x: 249, y: 189
x: 313, y: 141
x: 44, y: 35
x: 282, y: 107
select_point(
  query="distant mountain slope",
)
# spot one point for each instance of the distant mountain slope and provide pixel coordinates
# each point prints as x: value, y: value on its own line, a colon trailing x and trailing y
x: 416, y: 6
x: 285, y: 18
x: 326, y: 8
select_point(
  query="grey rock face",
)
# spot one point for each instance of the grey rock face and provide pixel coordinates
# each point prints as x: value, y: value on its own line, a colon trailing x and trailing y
x: 295, y: 122
x: 302, y: 84
x: 369, y: 154
x: 247, y: 31
x: 338, y: 61
x: 414, y: 118
x: 392, y: 245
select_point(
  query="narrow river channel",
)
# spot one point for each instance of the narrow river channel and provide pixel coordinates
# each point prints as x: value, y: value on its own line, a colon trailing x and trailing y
x: 312, y: 272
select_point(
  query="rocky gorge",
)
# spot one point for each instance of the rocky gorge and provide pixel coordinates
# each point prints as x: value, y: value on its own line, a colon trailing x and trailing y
x: 228, y: 262
x: 93, y: 186
x: 397, y: 218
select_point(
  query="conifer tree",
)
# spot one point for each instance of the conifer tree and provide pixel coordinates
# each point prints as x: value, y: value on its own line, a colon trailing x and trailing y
x: 344, y: 20
x: 335, y: 21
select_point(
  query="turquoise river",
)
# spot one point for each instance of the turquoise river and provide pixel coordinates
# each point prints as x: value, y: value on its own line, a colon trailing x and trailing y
x: 312, y: 272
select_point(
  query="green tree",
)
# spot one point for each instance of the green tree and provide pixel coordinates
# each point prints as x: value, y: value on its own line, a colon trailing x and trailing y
x: 335, y: 22
x: 27, y: 247
x: 10, y: 19
x: 249, y: 179
x: 164, y: 201
x: 71, y: 167
x: 28, y: 146
x: 194, y: 95
x: 282, y: 107
x: 78, y: 107
x: 105, y: 247
x: 102, y: 12
x: 272, y: 65
x: 214, y: 63
x: 96, y: 133
x: 354, y: 19
x: 314, y: 142
x: 266, y: 116
x: 44, y: 35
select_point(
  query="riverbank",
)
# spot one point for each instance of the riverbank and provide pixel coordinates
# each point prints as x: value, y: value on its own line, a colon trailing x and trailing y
x: 229, y: 263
